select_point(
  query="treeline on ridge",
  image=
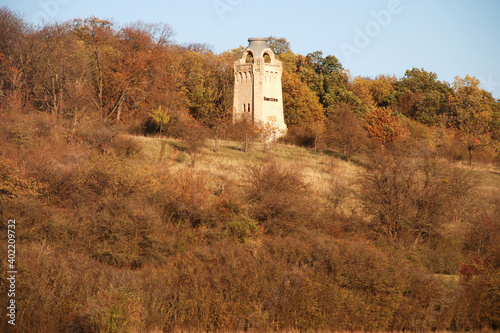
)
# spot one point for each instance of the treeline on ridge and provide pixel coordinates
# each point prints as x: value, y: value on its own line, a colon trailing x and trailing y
x: 91, y: 68
x: 376, y: 222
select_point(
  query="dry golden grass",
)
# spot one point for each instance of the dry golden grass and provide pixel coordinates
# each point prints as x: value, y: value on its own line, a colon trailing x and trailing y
x: 231, y: 160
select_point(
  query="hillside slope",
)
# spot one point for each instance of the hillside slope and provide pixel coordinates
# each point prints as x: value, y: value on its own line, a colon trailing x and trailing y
x: 120, y: 233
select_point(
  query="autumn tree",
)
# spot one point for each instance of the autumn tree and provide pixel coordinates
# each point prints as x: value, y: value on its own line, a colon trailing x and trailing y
x: 134, y: 61
x: 16, y: 57
x: 372, y: 93
x: 166, y: 85
x: 99, y: 38
x: 382, y: 126
x: 361, y: 88
x: 279, y: 45
x: 300, y: 104
x: 307, y: 73
x: 125, y: 65
x: 208, y: 80
x: 61, y: 73
x: 421, y: 81
x: 473, y: 110
x: 344, y: 131
x: 160, y: 116
x: 381, y: 88
x: 140, y: 48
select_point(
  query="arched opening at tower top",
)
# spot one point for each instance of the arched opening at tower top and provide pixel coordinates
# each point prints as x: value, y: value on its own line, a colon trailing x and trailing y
x: 267, y: 58
x: 249, y: 58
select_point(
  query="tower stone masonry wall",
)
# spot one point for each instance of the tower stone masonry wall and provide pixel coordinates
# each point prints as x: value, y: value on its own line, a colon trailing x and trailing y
x: 257, y: 88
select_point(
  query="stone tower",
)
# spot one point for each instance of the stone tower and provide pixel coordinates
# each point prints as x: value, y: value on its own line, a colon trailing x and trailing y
x: 257, y: 86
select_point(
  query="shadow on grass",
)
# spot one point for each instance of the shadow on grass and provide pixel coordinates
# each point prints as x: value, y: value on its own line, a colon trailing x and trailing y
x: 344, y: 157
x: 175, y: 144
x: 178, y: 153
x: 237, y: 148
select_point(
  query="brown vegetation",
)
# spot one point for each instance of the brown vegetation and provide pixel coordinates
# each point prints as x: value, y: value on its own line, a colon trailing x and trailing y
x: 130, y: 224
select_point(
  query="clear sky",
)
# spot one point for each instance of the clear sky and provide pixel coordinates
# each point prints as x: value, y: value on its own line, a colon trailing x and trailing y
x: 369, y: 37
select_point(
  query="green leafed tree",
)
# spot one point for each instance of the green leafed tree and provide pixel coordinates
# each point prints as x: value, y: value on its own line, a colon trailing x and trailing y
x: 331, y: 81
x: 279, y: 45
x: 421, y: 96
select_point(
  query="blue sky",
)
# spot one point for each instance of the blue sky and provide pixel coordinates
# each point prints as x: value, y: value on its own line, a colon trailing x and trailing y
x: 369, y: 37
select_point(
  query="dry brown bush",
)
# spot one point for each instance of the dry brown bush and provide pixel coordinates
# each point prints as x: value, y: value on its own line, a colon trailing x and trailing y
x: 119, y: 232
x: 124, y: 146
x: 59, y: 290
x: 15, y: 185
x: 96, y: 134
x: 195, y: 291
x: 308, y: 135
x: 194, y: 138
x: 244, y: 132
x: 187, y: 197
x: 476, y: 303
x: 344, y: 132
x: 278, y: 196
x: 413, y: 197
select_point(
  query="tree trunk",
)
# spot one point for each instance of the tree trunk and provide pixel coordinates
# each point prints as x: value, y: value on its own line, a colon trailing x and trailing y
x: 99, y: 83
x: 216, y: 139
x: 119, y: 112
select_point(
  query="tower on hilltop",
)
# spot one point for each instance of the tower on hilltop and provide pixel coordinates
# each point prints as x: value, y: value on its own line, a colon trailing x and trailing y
x: 257, y: 86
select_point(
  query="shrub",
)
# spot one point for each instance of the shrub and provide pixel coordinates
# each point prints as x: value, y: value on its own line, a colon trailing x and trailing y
x: 13, y: 185
x: 278, y: 196
x: 241, y: 227
x: 194, y: 139
x: 126, y: 147
x: 245, y: 132
x: 409, y: 197
x: 461, y: 185
x: 476, y: 304
x: 97, y: 135
x: 187, y: 197
x: 107, y: 176
x: 119, y: 232
x: 59, y: 290
x: 307, y: 135
x: 211, y: 288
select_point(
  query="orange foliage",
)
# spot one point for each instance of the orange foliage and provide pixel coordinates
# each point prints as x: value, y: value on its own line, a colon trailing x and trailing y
x: 382, y: 126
